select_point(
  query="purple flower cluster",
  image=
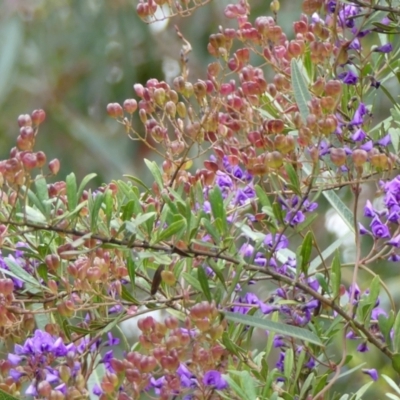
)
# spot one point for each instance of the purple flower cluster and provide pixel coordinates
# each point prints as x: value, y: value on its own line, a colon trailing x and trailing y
x: 235, y: 183
x: 384, y: 223
x: 51, y: 365
x: 19, y: 258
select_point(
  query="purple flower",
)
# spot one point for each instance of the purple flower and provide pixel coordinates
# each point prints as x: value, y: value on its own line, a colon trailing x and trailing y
x: 358, y: 117
x: 378, y: 229
x: 395, y: 241
x: 348, y: 77
x: 215, y: 379
x: 363, y: 230
x: 385, y: 141
x: 246, y: 250
x: 362, y: 347
x: 295, y: 219
x: 385, y: 48
x: 367, y: 146
x: 112, y: 341
x: 373, y: 373
x: 369, y: 210
x: 276, y: 241
x: 223, y: 180
x: 359, y: 135
x: 347, y: 14
x: 278, y: 341
x: 97, y: 390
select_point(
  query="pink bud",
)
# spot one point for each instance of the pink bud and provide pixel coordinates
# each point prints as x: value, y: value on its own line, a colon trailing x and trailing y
x: 115, y: 110
x: 54, y: 166
x: 38, y: 116
x: 130, y: 105
x: 24, y: 120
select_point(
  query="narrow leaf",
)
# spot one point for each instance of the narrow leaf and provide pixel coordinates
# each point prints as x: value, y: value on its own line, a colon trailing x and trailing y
x: 72, y: 191
x: 172, y: 229
x: 155, y: 171
x: 217, y: 207
x: 203, y: 279
x: 278, y: 327
x: 300, y: 89
x: 83, y: 184
x: 336, y: 275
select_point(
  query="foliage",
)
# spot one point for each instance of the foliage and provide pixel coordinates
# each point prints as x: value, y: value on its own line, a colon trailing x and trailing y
x: 77, y: 263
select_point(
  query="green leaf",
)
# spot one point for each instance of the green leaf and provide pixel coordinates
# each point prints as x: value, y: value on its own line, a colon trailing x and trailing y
x: 293, y: 177
x: 173, y: 229
x: 125, y: 294
x: 192, y: 281
x: 396, y: 335
x: 83, y: 184
x: 300, y: 89
x: 362, y: 390
x: 396, y: 362
x: 94, y: 208
x: 386, y: 324
x: 211, y: 229
x: 42, y: 194
x: 218, y: 271
x: 203, y: 279
x: 391, y: 383
x: 278, y: 327
x: 127, y: 210
x: 247, y: 383
x: 108, y: 201
x: 237, y: 389
x: 16, y: 271
x: 72, y: 191
x: 217, y: 207
x: 305, y: 251
x: 309, y: 382
x: 322, y: 281
x: 288, y: 364
x: 130, y: 265
x: 395, y: 138
x: 155, y: 171
x: 138, y: 181
x: 6, y: 396
x: 336, y: 275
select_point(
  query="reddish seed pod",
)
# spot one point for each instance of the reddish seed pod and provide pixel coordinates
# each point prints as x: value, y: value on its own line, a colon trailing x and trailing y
x: 54, y: 166
x: 29, y: 160
x: 40, y: 159
x: 38, y: 116
x: 115, y: 110
x: 24, y: 120
x: 130, y: 105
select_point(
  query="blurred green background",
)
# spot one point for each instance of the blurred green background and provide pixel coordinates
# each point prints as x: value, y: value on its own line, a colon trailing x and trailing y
x: 72, y: 57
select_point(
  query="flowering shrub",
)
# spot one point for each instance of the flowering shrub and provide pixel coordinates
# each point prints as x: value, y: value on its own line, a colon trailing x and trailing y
x: 282, y: 121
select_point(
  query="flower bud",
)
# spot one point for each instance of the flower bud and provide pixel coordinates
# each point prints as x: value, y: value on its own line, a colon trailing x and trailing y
x: 52, y: 261
x: 54, y: 166
x: 380, y: 161
x: 333, y: 88
x: 170, y: 108
x: 38, y: 116
x: 274, y: 160
x: 29, y: 160
x: 40, y: 159
x: 24, y: 120
x: 115, y: 110
x: 359, y: 157
x: 338, y: 156
x: 275, y: 6
x: 130, y: 106
x: 168, y: 277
